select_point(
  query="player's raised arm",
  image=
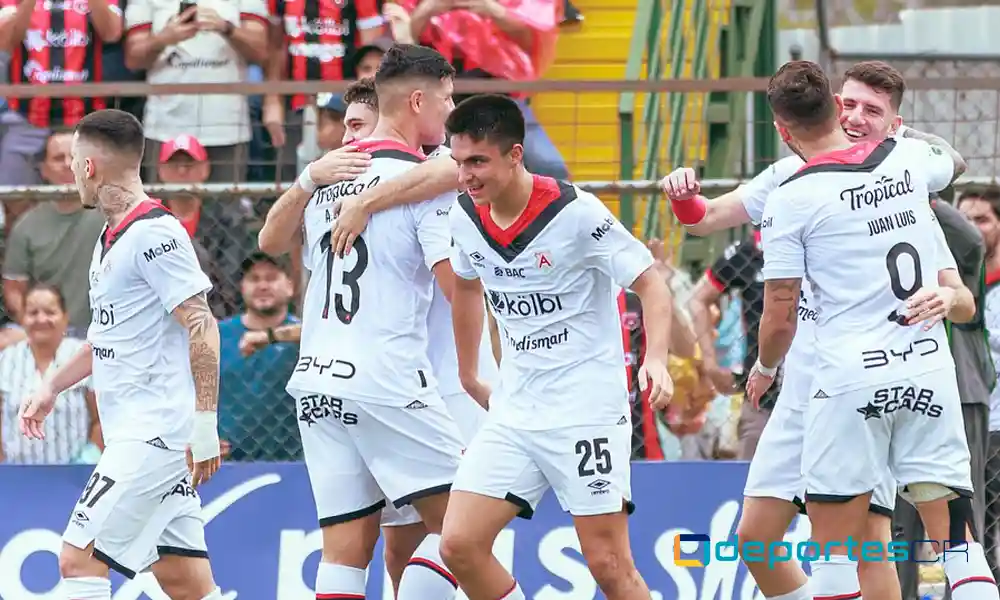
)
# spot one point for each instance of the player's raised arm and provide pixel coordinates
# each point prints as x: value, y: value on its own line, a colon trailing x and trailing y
x: 743, y: 205
x: 433, y: 178
x: 282, y: 229
x: 784, y: 268
x: 958, y: 164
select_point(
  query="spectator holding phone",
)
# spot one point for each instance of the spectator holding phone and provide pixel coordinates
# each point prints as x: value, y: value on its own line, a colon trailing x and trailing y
x: 211, y: 41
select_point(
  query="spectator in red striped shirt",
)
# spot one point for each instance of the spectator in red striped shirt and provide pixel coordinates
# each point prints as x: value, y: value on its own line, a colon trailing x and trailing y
x: 310, y: 41
x: 211, y: 41
x: 51, y: 43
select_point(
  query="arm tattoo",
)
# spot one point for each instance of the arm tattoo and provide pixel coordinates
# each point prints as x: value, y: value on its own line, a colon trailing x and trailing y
x: 203, y: 331
x: 785, y: 296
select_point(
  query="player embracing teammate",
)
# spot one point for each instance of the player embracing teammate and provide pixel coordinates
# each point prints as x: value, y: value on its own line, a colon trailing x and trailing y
x: 552, y: 289
x: 852, y: 401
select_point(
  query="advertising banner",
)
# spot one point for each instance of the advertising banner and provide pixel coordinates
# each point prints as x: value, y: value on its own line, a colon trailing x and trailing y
x: 264, y: 540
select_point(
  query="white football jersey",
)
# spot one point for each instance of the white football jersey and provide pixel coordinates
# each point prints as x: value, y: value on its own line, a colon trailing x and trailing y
x: 140, y: 272
x: 551, y: 282
x: 859, y: 225
x: 364, y: 320
x: 441, y: 348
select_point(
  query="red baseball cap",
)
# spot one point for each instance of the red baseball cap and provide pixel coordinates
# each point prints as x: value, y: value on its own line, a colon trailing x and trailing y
x: 183, y: 143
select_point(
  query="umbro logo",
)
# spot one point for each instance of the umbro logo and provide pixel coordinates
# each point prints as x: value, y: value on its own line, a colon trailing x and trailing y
x: 821, y: 394
x: 477, y: 256
x: 416, y: 404
x: 623, y: 420
x: 598, y: 484
x: 157, y: 443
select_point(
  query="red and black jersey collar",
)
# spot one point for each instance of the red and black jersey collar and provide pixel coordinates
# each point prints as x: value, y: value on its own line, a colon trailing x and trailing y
x: 390, y: 149
x: 147, y: 209
x: 548, y: 198
x: 863, y: 157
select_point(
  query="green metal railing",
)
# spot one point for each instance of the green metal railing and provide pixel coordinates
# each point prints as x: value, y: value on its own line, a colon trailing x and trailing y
x: 658, y: 42
x: 683, y: 39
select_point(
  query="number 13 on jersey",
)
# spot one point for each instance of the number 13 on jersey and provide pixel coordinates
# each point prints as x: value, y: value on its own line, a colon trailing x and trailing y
x: 348, y: 280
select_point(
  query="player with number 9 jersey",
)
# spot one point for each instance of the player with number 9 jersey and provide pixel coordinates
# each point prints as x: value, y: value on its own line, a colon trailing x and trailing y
x: 867, y: 246
x: 364, y: 382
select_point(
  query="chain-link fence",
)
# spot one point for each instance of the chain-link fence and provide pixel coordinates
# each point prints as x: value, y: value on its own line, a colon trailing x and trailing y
x: 224, y: 196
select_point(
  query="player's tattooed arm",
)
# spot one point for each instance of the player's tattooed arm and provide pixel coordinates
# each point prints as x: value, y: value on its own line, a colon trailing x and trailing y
x: 203, y: 330
x: 780, y: 319
x: 939, y: 142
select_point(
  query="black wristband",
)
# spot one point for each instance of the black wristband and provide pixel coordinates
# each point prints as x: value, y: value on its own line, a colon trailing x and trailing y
x: 271, y: 339
x: 228, y: 31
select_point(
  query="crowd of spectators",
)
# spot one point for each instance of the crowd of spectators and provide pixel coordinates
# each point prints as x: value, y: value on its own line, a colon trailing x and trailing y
x: 214, y: 138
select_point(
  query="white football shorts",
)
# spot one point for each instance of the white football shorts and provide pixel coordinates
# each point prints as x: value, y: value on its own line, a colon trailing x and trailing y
x: 360, y: 454
x: 469, y: 416
x: 586, y: 466
x: 137, y: 506
x: 776, y: 467
x: 914, y: 425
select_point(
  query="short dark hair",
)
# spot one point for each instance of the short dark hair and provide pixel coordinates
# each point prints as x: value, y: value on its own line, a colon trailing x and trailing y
x: 989, y: 194
x: 38, y: 286
x: 115, y: 129
x: 800, y: 94
x: 408, y: 60
x: 362, y: 91
x: 490, y: 117
x: 879, y: 76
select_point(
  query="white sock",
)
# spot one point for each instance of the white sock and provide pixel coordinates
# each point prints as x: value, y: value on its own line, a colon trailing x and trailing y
x: 835, y: 577
x: 969, y: 574
x: 215, y: 594
x: 515, y: 593
x: 802, y: 593
x: 425, y: 577
x: 86, y: 588
x: 337, y: 582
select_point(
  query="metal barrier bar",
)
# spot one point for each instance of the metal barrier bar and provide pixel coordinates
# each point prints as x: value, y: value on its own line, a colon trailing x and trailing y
x: 711, y: 187
x: 483, y: 86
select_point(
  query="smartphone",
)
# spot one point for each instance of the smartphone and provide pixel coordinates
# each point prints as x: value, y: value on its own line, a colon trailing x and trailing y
x: 186, y: 4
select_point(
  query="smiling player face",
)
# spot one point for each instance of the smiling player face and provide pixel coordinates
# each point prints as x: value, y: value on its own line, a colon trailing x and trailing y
x: 868, y: 113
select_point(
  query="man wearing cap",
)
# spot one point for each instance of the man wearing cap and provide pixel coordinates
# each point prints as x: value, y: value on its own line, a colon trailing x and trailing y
x: 256, y: 417
x: 330, y: 121
x: 219, y: 228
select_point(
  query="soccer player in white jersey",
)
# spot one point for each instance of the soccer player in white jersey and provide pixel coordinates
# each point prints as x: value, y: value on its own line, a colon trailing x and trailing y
x: 139, y: 510
x: 381, y: 430
x: 856, y: 220
x: 872, y: 93
x: 551, y: 258
x: 402, y: 527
